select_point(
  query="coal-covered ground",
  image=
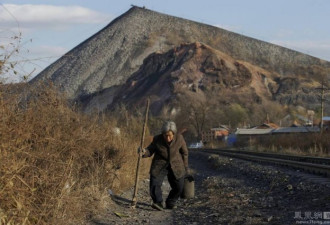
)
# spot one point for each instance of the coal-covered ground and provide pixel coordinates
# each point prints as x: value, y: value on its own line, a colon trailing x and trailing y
x: 230, y: 191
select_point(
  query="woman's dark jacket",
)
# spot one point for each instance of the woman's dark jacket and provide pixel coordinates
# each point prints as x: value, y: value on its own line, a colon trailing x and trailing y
x: 175, y: 155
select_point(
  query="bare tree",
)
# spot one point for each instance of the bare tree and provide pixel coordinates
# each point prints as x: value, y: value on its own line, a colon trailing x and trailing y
x: 12, y: 60
x: 193, y: 114
x: 7, y: 52
x: 198, y: 114
x: 236, y: 115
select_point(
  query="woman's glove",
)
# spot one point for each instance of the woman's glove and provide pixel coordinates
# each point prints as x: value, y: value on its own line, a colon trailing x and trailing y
x: 141, y: 151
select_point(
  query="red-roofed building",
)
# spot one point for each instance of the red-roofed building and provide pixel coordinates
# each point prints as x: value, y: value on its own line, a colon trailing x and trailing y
x: 267, y: 126
x: 218, y: 133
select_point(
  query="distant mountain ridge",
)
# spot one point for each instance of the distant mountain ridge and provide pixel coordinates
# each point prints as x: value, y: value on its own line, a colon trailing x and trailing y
x: 99, y: 70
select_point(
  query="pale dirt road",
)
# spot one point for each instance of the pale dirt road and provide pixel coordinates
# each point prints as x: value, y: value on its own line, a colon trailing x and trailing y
x: 229, y: 191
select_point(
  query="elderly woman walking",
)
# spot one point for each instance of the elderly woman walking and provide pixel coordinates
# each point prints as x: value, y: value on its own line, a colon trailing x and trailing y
x: 171, y: 160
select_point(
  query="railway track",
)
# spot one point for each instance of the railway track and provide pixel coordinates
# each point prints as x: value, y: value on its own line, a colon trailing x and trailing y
x: 314, y: 165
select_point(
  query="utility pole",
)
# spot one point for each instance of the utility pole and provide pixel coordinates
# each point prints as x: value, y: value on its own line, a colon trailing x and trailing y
x: 322, y: 106
x: 323, y: 88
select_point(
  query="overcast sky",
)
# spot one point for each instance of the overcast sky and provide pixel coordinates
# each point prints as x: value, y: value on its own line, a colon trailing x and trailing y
x: 51, y: 28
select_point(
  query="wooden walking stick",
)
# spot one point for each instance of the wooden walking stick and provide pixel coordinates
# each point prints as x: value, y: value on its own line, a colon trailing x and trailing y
x: 134, y: 200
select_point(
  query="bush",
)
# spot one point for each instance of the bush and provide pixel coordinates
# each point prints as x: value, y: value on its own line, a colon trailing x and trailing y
x: 56, y: 164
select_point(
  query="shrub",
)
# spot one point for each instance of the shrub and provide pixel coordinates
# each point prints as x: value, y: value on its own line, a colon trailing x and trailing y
x: 56, y: 164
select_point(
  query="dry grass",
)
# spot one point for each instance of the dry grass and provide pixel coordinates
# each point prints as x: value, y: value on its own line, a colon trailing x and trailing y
x: 311, y: 144
x: 56, y: 164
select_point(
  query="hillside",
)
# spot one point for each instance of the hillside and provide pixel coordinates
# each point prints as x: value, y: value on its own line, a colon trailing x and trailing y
x: 95, y: 71
x: 189, y: 73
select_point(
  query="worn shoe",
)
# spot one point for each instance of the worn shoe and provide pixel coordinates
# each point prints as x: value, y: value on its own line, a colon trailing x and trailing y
x: 157, y: 206
x: 171, y: 206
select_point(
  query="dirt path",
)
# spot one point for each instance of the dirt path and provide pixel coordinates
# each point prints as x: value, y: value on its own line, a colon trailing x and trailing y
x: 229, y: 191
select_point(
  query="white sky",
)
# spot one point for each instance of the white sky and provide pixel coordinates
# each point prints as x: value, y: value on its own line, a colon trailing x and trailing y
x: 51, y: 28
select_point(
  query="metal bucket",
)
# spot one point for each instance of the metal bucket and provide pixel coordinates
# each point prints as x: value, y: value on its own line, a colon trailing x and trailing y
x: 188, y: 187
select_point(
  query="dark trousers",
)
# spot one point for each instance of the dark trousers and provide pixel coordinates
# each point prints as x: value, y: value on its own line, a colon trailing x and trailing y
x: 156, y: 187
